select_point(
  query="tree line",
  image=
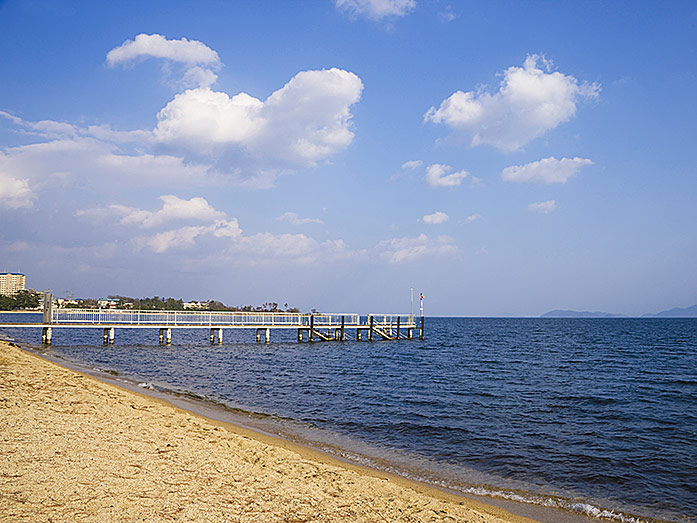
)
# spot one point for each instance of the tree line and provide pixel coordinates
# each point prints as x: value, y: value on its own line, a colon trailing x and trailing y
x: 172, y: 304
x: 25, y: 299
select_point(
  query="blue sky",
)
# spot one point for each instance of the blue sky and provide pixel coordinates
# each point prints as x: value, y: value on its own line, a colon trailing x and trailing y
x: 503, y: 158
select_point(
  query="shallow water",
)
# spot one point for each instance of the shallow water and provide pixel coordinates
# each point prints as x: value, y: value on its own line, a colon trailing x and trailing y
x: 590, y: 415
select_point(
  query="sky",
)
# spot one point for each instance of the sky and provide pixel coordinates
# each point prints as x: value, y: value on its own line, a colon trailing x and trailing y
x: 502, y: 158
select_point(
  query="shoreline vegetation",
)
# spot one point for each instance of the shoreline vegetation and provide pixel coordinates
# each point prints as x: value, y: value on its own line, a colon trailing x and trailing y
x: 31, y: 300
x: 75, y: 447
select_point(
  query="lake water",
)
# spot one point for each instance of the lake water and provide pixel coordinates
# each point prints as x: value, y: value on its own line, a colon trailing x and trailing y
x: 597, y: 416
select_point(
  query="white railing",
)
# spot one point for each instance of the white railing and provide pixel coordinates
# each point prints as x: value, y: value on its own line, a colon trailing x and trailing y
x: 201, y: 318
x: 390, y: 320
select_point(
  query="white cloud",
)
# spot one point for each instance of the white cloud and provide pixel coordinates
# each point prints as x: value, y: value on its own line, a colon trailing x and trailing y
x: 185, y: 237
x: 531, y: 100
x: 543, y: 207
x: 435, y: 218
x: 404, y: 250
x: 436, y: 176
x: 448, y: 15
x: 305, y: 121
x: 14, y: 193
x: 547, y: 170
x: 412, y: 164
x: 376, y: 9
x: 473, y: 218
x: 189, y: 52
x: 294, y: 219
x: 173, y: 209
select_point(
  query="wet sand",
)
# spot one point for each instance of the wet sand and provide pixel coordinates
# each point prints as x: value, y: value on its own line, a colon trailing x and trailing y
x: 73, y: 448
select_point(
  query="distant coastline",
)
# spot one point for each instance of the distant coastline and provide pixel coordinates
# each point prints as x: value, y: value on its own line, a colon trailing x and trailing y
x: 676, y: 312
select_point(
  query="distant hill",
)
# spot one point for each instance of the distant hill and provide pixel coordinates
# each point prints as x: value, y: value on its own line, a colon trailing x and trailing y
x: 677, y: 312
x: 558, y: 313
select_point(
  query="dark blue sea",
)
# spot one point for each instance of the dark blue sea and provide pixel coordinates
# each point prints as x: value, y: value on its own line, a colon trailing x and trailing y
x: 597, y: 416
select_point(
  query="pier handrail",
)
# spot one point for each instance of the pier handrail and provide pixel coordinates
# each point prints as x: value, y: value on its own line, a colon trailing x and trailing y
x: 200, y: 318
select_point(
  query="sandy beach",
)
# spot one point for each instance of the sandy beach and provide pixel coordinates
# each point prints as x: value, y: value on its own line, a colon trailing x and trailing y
x: 74, y: 448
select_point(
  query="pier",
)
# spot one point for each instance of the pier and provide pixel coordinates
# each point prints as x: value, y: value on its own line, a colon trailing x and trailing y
x: 310, y: 327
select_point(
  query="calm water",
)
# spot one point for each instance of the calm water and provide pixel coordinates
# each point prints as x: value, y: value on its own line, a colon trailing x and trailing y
x: 596, y: 416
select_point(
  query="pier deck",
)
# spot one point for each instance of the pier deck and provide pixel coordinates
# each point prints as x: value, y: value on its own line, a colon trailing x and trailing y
x: 314, y: 327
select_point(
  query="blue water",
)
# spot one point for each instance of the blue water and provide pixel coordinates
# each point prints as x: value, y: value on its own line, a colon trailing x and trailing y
x: 597, y: 415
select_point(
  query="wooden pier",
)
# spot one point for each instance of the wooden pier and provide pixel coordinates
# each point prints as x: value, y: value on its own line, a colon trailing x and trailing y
x: 310, y: 327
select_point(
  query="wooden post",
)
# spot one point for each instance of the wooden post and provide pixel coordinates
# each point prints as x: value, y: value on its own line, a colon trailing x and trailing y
x: 398, y: 318
x: 343, y: 336
x: 312, y: 327
x: 370, y: 332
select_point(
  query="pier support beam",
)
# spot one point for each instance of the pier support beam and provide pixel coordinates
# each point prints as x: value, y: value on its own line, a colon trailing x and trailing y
x: 46, y: 335
x: 168, y: 332
x: 343, y: 333
x: 161, y: 336
x: 398, y: 320
x: 359, y: 334
x: 220, y: 336
x: 112, y: 335
x: 219, y: 331
x: 268, y: 335
x: 258, y: 335
x: 312, y: 328
x: 300, y: 335
x: 370, y: 332
x: 212, y: 338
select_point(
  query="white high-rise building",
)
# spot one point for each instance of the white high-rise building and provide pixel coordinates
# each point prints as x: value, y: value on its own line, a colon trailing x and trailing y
x: 11, y: 282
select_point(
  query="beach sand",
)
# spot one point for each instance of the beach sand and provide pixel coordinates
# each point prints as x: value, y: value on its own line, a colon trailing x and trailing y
x: 73, y: 448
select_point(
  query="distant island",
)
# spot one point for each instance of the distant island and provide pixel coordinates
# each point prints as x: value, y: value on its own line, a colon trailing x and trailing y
x: 677, y: 312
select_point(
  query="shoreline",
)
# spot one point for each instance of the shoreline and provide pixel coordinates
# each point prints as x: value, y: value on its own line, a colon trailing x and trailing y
x: 246, y: 425
x: 52, y: 471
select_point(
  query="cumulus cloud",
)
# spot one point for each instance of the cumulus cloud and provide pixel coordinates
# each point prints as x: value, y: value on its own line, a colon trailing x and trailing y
x: 376, y: 9
x: 405, y: 249
x: 173, y: 209
x: 305, y: 121
x: 548, y: 170
x: 412, y: 164
x: 473, y: 218
x: 531, y: 100
x: 14, y: 193
x: 185, y: 237
x: 437, y: 176
x: 189, y: 52
x: 294, y: 219
x: 435, y: 218
x: 543, y: 207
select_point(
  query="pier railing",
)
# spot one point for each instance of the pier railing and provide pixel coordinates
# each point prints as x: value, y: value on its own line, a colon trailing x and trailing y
x: 201, y: 318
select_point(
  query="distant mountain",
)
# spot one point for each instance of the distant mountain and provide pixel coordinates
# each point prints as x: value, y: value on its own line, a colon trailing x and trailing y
x: 677, y: 312
x: 558, y: 313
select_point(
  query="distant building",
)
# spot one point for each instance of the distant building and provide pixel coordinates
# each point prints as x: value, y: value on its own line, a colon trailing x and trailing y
x: 11, y: 282
x: 107, y: 303
x: 194, y: 305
